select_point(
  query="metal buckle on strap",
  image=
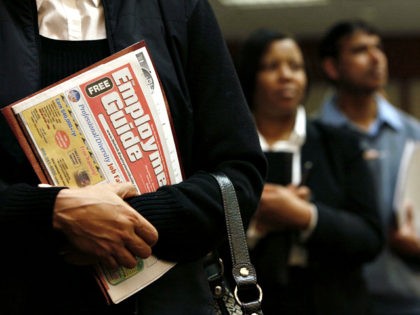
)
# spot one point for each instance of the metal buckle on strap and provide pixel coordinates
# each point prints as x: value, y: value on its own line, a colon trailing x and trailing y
x: 260, y: 294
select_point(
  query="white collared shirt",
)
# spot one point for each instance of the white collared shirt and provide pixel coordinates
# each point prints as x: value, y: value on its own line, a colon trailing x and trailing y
x: 292, y: 145
x: 71, y: 19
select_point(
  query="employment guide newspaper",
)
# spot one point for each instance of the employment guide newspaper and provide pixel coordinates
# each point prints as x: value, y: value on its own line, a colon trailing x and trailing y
x: 107, y: 123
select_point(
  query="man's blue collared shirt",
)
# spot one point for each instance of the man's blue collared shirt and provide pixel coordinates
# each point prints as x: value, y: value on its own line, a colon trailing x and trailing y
x: 387, y: 114
x: 395, y: 286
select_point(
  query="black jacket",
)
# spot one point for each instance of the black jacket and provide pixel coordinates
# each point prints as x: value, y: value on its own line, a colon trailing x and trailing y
x: 347, y: 235
x: 214, y: 131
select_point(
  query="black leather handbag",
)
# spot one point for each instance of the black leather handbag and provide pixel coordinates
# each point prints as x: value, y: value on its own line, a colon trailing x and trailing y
x: 246, y: 297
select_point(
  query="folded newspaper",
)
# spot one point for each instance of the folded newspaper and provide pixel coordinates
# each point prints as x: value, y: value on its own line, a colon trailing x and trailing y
x: 407, y: 186
x: 107, y: 123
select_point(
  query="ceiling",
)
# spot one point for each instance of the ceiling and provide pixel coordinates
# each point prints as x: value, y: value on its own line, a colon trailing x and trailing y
x: 391, y: 17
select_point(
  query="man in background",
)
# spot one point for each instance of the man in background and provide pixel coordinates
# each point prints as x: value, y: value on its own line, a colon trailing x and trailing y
x: 354, y: 61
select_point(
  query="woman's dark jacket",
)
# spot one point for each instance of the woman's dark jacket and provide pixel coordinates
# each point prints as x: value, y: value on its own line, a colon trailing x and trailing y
x: 347, y: 235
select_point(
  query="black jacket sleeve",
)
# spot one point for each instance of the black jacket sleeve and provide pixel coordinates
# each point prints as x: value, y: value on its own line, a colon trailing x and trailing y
x: 189, y: 215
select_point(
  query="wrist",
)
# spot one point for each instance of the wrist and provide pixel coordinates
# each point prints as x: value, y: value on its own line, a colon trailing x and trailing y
x: 306, y: 216
x: 61, y: 203
x: 305, y: 233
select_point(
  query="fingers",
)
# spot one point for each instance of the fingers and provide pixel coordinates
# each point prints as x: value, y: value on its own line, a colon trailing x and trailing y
x: 139, y: 237
x: 409, y: 214
x: 270, y: 187
x: 121, y: 255
x: 124, y: 258
x: 146, y: 236
x: 142, y: 228
x: 123, y: 190
x: 408, y: 226
x: 98, y: 222
x: 140, y: 249
x: 304, y: 193
x: 146, y: 231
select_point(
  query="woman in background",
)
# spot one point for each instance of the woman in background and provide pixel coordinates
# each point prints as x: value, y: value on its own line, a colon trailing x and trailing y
x: 311, y: 234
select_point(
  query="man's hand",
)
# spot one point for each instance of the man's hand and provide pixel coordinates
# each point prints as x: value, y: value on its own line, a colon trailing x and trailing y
x: 404, y: 240
x: 101, y: 225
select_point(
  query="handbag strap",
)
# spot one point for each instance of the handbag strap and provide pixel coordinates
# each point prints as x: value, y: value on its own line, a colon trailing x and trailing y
x: 247, y: 292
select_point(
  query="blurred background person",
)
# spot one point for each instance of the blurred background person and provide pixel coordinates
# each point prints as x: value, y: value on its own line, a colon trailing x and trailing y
x: 353, y: 59
x: 310, y: 240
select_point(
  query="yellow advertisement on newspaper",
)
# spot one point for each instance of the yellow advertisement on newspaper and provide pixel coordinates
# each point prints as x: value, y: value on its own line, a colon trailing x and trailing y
x: 60, y: 144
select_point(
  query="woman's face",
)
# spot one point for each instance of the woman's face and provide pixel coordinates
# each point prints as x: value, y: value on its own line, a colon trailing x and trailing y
x: 281, y: 80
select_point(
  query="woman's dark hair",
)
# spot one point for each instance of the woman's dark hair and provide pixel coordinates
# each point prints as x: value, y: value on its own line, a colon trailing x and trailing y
x: 330, y: 43
x: 248, y: 62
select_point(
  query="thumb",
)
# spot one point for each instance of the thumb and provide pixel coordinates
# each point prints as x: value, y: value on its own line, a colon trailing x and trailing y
x: 409, y: 214
x: 408, y: 226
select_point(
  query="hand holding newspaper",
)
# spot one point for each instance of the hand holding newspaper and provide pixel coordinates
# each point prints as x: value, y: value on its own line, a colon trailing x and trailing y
x: 107, y: 123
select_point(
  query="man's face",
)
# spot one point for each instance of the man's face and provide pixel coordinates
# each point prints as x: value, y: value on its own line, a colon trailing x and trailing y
x: 362, y: 65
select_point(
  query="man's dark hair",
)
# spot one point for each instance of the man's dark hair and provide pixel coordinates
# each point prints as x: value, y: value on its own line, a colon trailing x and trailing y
x: 249, y: 59
x: 330, y: 43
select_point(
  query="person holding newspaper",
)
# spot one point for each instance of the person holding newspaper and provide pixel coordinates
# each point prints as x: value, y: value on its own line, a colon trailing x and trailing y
x: 50, y: 233
x: 355, y: 63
